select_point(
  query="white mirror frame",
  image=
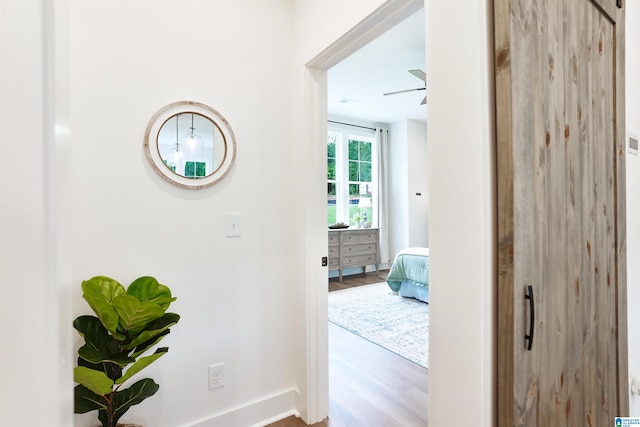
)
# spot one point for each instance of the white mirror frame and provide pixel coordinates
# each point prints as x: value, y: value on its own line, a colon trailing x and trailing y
x: 153, y: 154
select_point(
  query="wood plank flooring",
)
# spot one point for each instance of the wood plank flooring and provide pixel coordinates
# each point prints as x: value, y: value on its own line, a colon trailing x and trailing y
x: 369, y: 386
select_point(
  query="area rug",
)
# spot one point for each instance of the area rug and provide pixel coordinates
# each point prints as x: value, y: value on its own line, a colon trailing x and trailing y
x: 374, y: 312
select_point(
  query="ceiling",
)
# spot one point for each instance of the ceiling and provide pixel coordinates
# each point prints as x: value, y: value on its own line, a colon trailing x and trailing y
x: 357, y: 84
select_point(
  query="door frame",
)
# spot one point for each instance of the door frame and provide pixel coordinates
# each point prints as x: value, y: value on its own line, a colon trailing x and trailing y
x: 380, y: 20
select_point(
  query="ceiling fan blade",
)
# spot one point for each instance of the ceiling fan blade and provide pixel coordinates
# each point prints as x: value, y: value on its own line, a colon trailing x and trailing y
x: 403, y: 91
x: 419, y: 74
x: 424, y: 101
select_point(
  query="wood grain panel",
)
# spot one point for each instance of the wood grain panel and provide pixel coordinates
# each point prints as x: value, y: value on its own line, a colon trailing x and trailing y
x: 560, y: 196
x: 504, y: 200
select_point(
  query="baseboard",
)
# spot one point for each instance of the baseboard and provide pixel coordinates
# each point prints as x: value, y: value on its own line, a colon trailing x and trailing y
x: 258, y: 413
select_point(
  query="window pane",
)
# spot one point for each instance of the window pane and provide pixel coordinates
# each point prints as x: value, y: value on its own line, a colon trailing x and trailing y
x: 331, y: 169
x: 353, y: 150
x: 354, y: 190
x: 365, y: 172
x: 332, y: 141
x: 365, y: 151
x: 331, y: 203
x: 331, y: 214
x: 331, y: 148
x: 189, y: 169
x: 353, y: 170
x: 201, y: 169
x: 170, y: 165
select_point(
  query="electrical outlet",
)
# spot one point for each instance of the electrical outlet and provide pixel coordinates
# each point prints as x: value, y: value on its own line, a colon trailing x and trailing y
x: 216, y: 376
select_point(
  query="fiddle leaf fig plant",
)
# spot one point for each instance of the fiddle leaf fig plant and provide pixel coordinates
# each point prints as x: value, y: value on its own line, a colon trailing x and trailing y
x: 127, y: 324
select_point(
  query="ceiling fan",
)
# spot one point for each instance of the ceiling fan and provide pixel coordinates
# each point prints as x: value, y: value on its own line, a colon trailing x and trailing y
x: 422, y: 76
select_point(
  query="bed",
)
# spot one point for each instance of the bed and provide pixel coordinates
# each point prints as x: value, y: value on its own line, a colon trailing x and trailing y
x: 409, y: 274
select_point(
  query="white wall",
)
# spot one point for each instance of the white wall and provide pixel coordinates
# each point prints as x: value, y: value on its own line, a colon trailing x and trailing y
x: 233, y: 294
x: 242, y: 300
x: 398, y: 188
x: 461, y: 213
x: 633, y: 197
x: 35, y: 338
x: 408, y: 212
x: 418, y: 181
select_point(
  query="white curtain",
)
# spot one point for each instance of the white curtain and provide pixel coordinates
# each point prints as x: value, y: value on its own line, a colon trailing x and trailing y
x: 382, y: 142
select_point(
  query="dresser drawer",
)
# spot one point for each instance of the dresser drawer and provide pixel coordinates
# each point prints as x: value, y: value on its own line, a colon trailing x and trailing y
x: 360, y: 236
x: 334, y: 238
x: 334, y: 263
x: 358, y: 249
x: 334, y: 251
x: 349, y: 260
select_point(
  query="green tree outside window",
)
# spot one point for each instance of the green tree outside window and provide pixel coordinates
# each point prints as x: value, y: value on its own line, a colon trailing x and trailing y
x: 195, y: 169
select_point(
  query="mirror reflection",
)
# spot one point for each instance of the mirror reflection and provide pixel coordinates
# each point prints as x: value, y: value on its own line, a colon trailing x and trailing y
x: 191, y: 145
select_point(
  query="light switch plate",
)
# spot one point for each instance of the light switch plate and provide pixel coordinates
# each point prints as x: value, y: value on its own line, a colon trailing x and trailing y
x: 234, y: 224
x: 633, y: 143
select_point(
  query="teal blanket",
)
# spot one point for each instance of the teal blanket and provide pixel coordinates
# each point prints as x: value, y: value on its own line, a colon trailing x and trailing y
x: 410, y: 265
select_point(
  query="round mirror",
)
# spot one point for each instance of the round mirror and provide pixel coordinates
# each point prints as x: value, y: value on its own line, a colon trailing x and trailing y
x: 190, y: 144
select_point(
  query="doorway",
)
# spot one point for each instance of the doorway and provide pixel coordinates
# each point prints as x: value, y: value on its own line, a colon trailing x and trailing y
x: 376, y: 150
x: 386, y: 16
x: 461, y: 214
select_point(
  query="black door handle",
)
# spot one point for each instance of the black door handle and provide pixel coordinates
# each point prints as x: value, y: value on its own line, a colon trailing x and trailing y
x: 532, y: 316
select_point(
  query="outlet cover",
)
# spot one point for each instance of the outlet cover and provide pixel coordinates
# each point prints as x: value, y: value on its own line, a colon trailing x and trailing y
x: 216, y: 376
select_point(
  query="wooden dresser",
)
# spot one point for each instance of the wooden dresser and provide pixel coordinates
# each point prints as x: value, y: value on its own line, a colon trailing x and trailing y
x: 353, y: 247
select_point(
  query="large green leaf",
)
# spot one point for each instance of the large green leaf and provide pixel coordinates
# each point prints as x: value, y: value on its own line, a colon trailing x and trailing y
x: 112, y: 370
x: 148, y: 344
x: 123, y: 400
x: 94, y: 366
x: 96, y: 381
x: 99, y: 345
x: 86, y: 401
x: 96, y: 335
x: 134, y: 314
x: 142, y: 363
x: 148, y: 289
x: 94, y: 356
x: 153, y: 329
x: 99, y: 292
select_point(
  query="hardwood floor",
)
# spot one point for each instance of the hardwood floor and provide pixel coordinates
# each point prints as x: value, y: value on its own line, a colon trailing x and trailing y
x: 369, y: 386
x: 354, y: 280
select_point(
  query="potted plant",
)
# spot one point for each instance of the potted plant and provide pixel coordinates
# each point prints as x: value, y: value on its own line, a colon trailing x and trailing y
x: 355, y: 219
x: 128, y: 323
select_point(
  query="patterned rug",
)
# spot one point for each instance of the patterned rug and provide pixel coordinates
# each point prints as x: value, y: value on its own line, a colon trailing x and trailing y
x: 400, y: 325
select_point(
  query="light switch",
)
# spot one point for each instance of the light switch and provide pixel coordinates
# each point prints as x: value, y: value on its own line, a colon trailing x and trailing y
x: 234, y: 224
x: 633, y: 144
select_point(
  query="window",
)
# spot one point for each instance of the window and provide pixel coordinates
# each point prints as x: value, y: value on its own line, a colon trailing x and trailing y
x: 170, y: 165
x: 195, y: 169
x: 351, y: 177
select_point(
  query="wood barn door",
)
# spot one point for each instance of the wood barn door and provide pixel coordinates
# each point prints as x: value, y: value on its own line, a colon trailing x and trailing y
x: 561, y: 212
